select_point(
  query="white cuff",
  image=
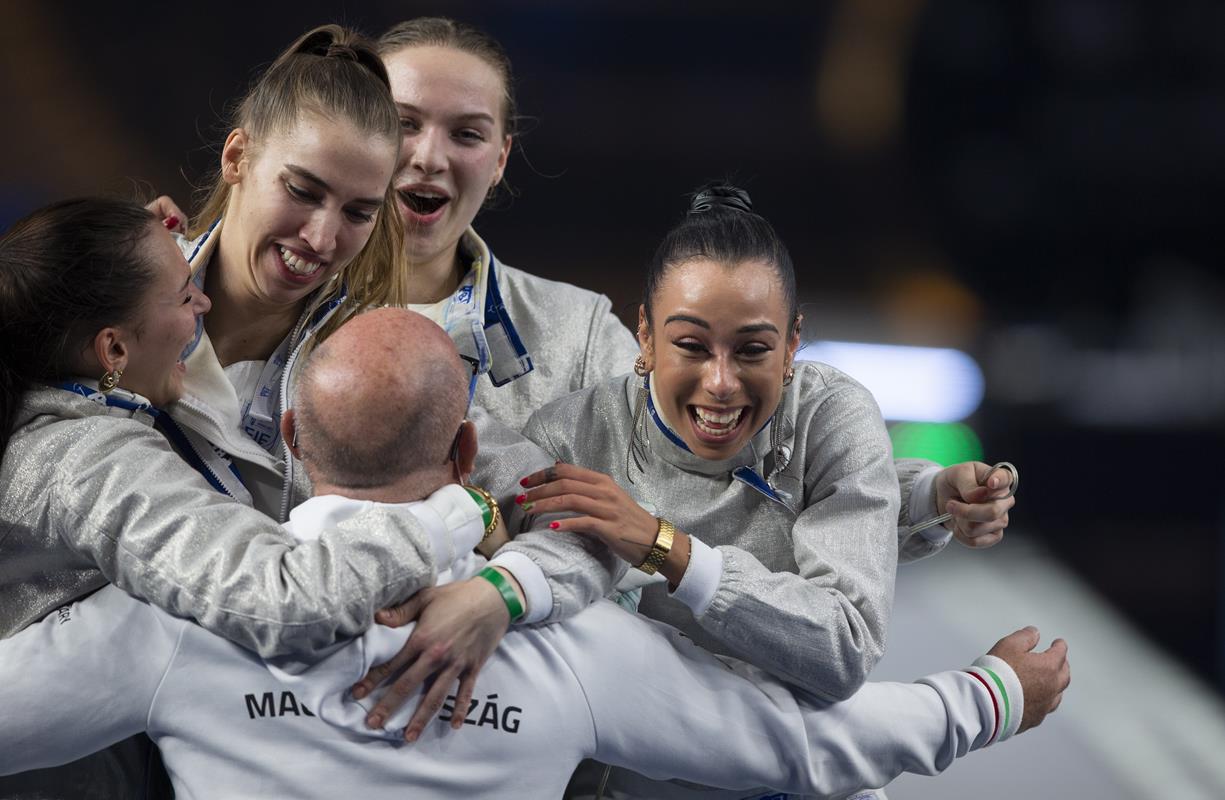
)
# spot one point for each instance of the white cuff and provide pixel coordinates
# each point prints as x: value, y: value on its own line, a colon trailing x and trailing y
x: 536, y: 592
x: 701, y: 580
x: 1005, y: 688
x: 453, y: 520
x: 923, y: 505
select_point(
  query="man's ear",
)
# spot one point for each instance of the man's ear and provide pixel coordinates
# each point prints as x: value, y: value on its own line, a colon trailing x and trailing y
x: 233, y: 155
x: 465, y: 455
x: 289, y: 432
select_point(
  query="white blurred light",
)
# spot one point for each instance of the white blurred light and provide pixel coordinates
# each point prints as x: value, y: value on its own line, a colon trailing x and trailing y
x: 919, y: 384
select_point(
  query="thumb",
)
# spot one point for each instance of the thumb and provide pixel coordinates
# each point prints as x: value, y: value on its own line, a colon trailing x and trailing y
x: 401, y: 615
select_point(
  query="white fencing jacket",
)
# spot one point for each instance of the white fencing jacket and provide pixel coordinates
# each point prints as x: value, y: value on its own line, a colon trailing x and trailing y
x: 605, y: 684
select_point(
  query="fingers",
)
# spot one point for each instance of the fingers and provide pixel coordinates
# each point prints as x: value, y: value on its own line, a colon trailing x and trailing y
x: 381, y: 672
x: 560, y: 470
x: 1017, y: 642
x: 169, y: 213
x: 431, y: 704
x: 403, y: 687
x: 406, y: 612
x: 981, y: 511
x: 467, y: 686
x: 573, y: 502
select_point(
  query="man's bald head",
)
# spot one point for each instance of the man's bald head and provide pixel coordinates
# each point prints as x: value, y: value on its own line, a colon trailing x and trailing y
x: 381, y: 398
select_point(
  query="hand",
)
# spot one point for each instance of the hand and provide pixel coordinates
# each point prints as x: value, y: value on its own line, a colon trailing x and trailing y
x: 1044, y: 676
x: 602, y: 507
x: 980, y: 512
x: 459, y: 625
x: 169, y: 213
x: 492, y: 543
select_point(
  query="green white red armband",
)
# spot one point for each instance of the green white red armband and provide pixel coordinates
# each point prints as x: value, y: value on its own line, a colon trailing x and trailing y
x: 1007, y: 697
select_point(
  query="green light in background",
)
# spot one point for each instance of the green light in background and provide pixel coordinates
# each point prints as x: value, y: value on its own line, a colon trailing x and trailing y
x: 944, y: 443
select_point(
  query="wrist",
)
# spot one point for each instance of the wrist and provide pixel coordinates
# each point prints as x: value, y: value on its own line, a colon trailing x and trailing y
x: 509, y: 589
x: 676, y: 563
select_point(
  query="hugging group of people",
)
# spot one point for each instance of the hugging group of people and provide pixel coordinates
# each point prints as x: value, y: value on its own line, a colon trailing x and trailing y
x: 310, y: 494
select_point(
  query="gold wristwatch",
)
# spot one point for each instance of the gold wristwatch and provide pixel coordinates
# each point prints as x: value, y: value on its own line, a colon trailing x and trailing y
x: 659, y: 551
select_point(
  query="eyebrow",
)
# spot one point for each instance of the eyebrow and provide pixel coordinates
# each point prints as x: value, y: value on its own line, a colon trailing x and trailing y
x: 756, y: 327
x: 480, y: 116
x: 307, y: 175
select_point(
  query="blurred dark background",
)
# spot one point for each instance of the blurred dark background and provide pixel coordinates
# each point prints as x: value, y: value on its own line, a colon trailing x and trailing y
x: 1035, y: 184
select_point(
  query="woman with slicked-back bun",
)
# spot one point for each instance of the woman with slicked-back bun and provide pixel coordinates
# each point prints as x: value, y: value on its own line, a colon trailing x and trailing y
x: 755, y: 493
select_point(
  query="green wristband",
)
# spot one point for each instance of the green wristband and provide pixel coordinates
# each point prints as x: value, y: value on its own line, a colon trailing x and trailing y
x: 482, y: 502
x: 506, y: 590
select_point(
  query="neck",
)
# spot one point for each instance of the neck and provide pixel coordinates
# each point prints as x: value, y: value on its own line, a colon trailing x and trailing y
x: 436, y: 278
x: 408, y: 488
x: 241, y: 325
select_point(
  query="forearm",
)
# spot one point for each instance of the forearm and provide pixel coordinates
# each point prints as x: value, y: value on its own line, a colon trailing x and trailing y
x: 823, y: 636
x: 726, y: 723
x: 156, y: 530
x: 81, y: 679
x: 916, y: 480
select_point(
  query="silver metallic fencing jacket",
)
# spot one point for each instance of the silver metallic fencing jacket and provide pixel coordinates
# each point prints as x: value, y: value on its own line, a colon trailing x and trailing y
x: 808, y: 559
x: 568, y: 574
x: 94, y: 494
x: 534, y: 339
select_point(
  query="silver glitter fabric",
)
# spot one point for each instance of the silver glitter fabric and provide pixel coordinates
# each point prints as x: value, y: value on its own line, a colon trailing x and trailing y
x: 807, y: 582
x: 94, y: 494
x: 572, y: 335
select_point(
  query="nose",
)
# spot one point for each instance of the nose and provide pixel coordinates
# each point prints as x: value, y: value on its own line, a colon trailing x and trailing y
x: 202, y: 303
x: 721, y: 379
x: 320, y: 231
x: 426, y: 151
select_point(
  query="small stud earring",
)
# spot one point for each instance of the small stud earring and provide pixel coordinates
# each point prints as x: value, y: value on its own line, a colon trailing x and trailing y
x: 788, y: 376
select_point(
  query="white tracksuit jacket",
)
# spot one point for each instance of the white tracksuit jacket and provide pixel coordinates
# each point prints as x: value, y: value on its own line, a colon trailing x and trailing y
x: 605, y: 684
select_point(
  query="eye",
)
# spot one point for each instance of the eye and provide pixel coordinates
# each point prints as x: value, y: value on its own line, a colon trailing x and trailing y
x: 409, y: 125
x: 755, y: 350
x: 690, y: 346
x: 469, y: 136
x: 359, y: 216
x: 299, y: 193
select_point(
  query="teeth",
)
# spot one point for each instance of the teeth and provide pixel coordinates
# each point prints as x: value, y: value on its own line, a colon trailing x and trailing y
x: 299, y: 266
x: 716, y: 423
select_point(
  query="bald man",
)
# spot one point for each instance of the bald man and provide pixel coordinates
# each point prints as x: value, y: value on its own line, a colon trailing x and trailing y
x: 605, y: 684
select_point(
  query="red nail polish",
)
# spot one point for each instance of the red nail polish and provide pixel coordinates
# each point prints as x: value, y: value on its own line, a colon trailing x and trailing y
x: 171, y: 222
x: 520, y: 499
x: 554, y: 525
x: 523, y: 481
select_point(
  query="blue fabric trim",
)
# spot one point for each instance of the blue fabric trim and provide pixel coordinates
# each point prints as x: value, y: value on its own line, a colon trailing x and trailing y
x: 749, y: 477
x: 663, y: 426
x: 496, y: 314
x: 164, y: 425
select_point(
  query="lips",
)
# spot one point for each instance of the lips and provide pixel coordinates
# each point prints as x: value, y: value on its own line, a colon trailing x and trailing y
x: 423, y: 204
x: 716, y: 424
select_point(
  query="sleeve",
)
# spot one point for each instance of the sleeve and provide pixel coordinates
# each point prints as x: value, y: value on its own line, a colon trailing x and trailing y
x: 822, y: 628
x: 158, y: 531
x: 723, y: 723
x: 82, y: 679
x: 578, y: 570
x: 916, y: 478
x: 611, y: 347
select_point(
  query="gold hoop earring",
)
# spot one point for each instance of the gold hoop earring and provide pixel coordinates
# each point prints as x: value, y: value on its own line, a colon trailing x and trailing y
x: 788, y: 376
x: 110, y: 380
x: 640, y: 366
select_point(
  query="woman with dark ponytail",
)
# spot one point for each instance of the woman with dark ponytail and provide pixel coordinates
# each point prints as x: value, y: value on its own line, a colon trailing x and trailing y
x: 757, y: 492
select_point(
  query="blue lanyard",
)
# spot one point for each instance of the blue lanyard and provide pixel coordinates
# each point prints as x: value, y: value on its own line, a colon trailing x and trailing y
x: 166, y: 426
x: 746, y: 475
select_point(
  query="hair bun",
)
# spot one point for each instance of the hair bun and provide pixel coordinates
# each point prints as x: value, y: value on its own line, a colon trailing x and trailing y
x: 341, y: 50
x: 720, y: 195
